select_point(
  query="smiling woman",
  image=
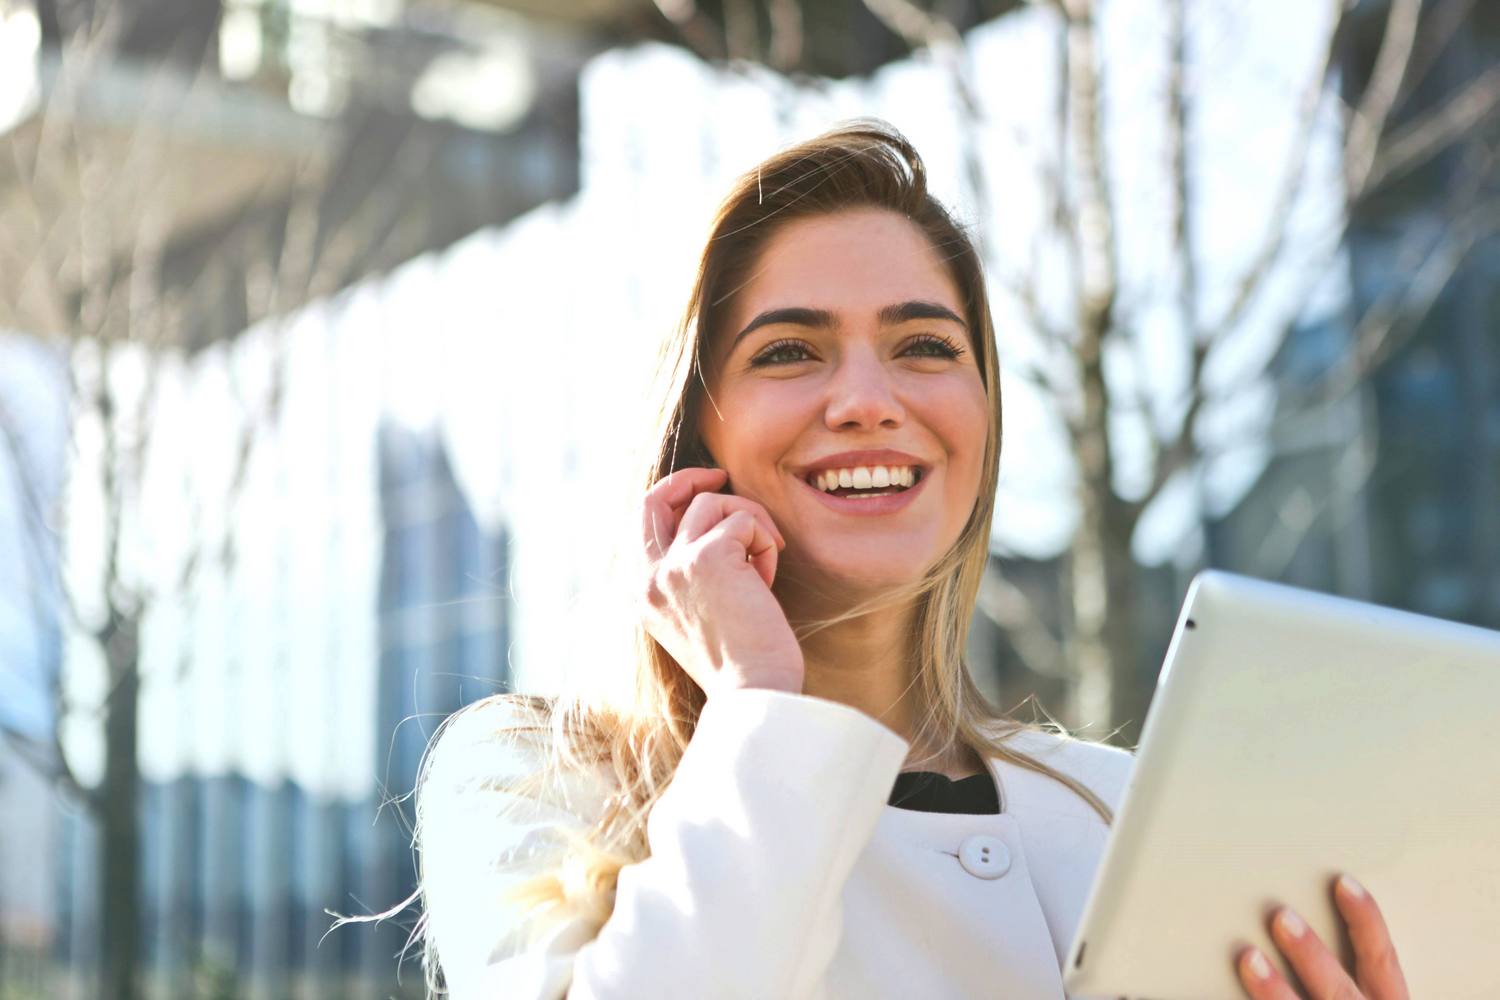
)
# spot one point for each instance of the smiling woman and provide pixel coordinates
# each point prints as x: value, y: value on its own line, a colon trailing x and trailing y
x: 805, y: 793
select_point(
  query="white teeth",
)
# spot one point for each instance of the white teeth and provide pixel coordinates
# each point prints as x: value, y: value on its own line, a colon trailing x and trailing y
x: 865, y: 477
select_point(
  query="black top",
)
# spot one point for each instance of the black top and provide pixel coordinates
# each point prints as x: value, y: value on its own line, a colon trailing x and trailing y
x: 928, y: 791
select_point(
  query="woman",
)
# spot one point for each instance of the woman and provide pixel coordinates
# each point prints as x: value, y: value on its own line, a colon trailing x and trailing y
x: 803, y: 794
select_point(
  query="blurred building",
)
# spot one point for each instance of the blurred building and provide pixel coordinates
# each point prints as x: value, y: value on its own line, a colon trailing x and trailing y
x: 445, y: 121
x: 239, y: 874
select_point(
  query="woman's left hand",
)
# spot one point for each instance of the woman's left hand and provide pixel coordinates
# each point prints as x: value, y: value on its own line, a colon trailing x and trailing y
x: 1377, y: 973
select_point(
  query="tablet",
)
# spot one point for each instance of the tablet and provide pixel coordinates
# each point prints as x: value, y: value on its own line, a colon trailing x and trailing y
x: 1294, y: 736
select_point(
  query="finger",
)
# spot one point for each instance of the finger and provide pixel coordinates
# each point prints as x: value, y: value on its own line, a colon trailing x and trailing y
x: 708, y: 509
x: 1318, y: 968
x: 745, y: 532
x: 1260, y: 978
x: 681, y: 486
x: 763, y: 553
x: 1376, y: 967
x: 665, y: 502
x: 658, y: 527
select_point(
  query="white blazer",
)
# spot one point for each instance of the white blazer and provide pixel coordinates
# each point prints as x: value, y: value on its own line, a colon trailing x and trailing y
x: 777, y: 870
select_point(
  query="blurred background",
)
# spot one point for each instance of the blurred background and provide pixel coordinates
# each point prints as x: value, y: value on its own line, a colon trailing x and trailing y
x: 325, y: 326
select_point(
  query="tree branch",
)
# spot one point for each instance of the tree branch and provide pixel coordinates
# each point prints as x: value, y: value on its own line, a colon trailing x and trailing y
x: 1183, y: 249
x: 1299, y: 512
x: 1436, y: 31
x: 1182, y: 450
x: 1392, y: 320
x: 1425, y: 138
x: 1367, y: 123
x: 1386, y: 327
x: 1095, y: 208
x: 1167, y: 457
x: 47, y: 760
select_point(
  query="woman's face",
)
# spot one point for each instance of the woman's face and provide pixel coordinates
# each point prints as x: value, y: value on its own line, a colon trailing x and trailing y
x: 846, y: 354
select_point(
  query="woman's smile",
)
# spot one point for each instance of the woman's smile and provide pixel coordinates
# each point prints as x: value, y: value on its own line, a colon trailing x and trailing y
x: 866, y: 483
x: 870, y: 503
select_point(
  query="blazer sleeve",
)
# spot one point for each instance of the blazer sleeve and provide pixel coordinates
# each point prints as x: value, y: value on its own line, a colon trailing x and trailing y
x: 750, y: 847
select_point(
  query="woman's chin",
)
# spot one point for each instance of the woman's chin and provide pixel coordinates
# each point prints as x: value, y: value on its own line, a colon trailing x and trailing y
x: 849, y: 581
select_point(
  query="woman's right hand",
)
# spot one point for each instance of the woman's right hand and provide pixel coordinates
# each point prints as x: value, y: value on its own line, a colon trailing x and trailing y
x: 711, y: 559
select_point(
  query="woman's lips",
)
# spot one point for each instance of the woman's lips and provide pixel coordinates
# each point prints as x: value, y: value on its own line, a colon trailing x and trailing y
x: 873, y: 506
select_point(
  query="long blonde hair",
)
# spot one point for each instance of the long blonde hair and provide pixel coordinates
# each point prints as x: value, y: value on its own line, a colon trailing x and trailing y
x: 637, y: 740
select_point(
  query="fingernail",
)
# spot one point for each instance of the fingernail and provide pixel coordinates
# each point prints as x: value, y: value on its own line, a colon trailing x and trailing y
x: 1259, y: 967
x: 1291, y: 924
x: 1351, y: 888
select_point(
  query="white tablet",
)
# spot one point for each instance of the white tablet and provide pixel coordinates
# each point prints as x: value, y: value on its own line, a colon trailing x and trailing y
x: 1294, y: 736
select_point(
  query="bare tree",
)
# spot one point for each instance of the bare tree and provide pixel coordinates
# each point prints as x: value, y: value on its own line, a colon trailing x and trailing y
x: 1103, y: 575
x: 107, y: 261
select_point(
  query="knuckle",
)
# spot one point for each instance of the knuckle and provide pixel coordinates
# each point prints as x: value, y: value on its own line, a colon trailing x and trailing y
x: 676, y: 573
x: 1383, y: 960
x: 653, y: 595
x: 703, y: 500
x: 654, y: 495
x: 716, y: 545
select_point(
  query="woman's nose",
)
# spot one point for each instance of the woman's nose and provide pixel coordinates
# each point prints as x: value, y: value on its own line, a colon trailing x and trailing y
x: 862, y: 395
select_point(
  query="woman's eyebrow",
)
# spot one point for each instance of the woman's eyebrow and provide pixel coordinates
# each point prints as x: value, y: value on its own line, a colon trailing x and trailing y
x: 890, y: 315
x: 794, y: 315
x: 902, y: 312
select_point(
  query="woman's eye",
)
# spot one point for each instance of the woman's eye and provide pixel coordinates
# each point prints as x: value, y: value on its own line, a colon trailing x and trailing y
x: 784, y: 352
x: 931, y: 346
x: 780, y: 353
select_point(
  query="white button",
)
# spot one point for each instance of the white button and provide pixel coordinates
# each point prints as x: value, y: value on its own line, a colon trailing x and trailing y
x: 984, y: 857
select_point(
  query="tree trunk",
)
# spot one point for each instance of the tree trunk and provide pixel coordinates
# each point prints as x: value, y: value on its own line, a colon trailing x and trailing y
x: 1104, y: 578
x: 119, y: 816
x: 1130, y: 689
x: 1101, y: 570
